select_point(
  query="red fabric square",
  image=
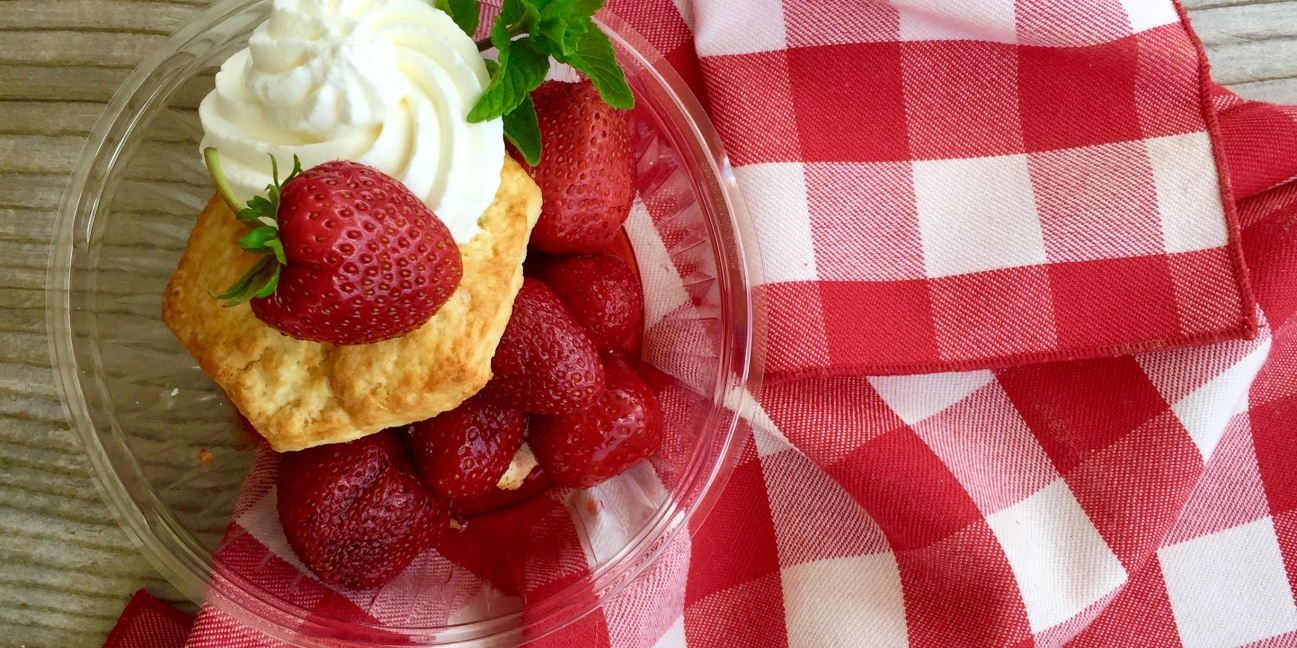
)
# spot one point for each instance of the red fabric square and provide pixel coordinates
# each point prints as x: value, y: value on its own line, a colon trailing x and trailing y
x: 849, y: 112
x: 805, y: 411
x: 1168, y: 87
x: 750, y: 614
x: 1075, y: 409
x: 149, y: 623
x: 1139, y: 616
x: 1114, y: 300
x: 907, y: 489
x: 1270, y: 249
x: 961, y: 592
x: 796, y: 327
x: 755, y: 127
x: 1078, y: 96
x: 1276, y: 451
x: 854, y: 335
x: 864, y: 222
x: 1096, y: 202
x: 961, y: 99
x: 1208, y: 297
x: 736, y: 543
x: 993, y: 313
x: 1133, y: 490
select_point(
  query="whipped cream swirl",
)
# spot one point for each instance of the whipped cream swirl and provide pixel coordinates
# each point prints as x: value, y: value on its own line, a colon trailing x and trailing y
x: 387, y: 83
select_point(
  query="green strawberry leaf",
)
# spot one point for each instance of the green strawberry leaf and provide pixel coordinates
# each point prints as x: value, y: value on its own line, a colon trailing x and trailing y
x: 261, y: 214
x: 463, y: 12
x: 593, y: 55
x: 242, y: 290
x: 523, y: 129
x: 255, y: 241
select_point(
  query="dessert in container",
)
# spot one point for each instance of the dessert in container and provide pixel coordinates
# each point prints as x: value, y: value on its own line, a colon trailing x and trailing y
x: 165, y: 449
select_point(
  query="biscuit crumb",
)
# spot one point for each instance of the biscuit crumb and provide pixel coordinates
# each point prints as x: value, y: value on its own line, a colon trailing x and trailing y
x: 454, y: 524
x: 205, y: 457
x: 593, y: 506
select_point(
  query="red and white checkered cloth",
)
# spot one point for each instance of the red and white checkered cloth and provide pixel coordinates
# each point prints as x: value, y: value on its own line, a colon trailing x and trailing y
x: 1048, y: 202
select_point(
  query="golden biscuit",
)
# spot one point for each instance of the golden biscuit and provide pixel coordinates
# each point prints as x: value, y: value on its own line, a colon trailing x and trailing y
x: 300, y: 394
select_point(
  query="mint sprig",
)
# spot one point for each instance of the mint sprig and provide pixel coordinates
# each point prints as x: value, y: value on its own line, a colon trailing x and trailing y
x: 262, y: 215
x: 526, y: 34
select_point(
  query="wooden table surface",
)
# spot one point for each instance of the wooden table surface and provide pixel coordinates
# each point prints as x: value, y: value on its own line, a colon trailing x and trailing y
x: 66, y: 568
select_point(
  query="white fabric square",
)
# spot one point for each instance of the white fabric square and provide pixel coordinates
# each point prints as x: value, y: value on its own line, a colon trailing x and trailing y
x: 919, y: 396
x: 262, y: 521
x: 674, y: 637
x: 976, y: 214
x: 1061, y: 562
x: 610, y: 514
x: 1147, y: 14
x: 844, y: 602
x: 1229, y: 588
x: 738, y: 26
x: 981, y: 20
x: 1188, y: 192
x: 1206, y: 411
x: 776, y: 198
x: 657, y: 272
x: 987, y: 446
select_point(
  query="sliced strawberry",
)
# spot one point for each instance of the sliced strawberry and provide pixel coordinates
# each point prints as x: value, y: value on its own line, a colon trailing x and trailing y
x: 463, y: 452
x: 544, y: 362
x: 603, y: 294
x: 587, y: 173
x: 622, y: 426
x: 357, y: 513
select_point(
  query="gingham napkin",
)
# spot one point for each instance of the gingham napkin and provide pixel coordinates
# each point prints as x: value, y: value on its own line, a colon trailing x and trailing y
x: 1048, y: 201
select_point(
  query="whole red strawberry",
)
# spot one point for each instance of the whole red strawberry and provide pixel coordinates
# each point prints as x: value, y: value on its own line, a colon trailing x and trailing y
x: 587, y: 173
x: 464, y: 452
x: 544, y: 363
x: 357, y: 513
x: 603, y: 294
x: 350, y: 255
x: 621, y: 427
x: 537, y: 482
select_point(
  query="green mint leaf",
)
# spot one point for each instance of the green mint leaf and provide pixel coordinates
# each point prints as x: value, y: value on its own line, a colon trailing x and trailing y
x: 520, y: 16
x: 523, y: 130
x: 522, y: 69
x: 491, y: 67
x: 586, y: 8
x: 593, y: 55
x: 463, y: 12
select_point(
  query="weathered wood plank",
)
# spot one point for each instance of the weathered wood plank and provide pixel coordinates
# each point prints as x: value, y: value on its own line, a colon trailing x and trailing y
x: 100, y: 15
x: 79, y: 48
x: 1250, y: 44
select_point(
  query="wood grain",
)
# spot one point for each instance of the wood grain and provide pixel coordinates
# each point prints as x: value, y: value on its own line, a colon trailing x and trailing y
x: 66, y: 568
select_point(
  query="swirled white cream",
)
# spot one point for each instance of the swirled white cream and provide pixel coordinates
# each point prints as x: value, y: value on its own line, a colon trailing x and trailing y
x: 387, y: 83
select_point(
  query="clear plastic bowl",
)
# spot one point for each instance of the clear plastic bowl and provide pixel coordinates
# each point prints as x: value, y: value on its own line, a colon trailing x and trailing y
x: 144, y: 410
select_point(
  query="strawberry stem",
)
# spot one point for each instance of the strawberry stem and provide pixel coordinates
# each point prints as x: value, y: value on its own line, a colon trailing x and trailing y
x: 261, y: 214
x: 213, y: 160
